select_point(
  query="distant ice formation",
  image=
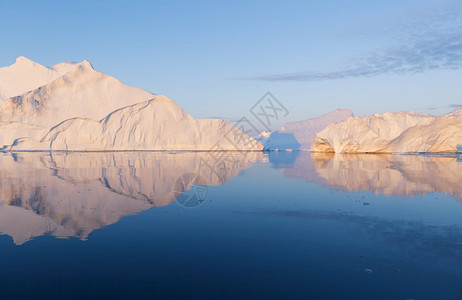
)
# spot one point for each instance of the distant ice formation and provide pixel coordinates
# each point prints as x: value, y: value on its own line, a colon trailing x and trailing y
x: 298, y: 135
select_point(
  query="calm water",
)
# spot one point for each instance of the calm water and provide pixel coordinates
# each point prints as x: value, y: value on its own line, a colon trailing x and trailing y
x: 230, y: 225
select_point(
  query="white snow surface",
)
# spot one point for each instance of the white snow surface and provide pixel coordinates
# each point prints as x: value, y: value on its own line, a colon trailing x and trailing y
x: 10, y: 131
x: 158, y: 124
x: 78, y: 108
x: 26, y: 75
x: 298, y: 135
x: 401, y: 132
x: 81, y: 92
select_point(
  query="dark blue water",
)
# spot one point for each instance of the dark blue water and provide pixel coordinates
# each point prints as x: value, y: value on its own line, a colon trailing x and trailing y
x: 188, y: 225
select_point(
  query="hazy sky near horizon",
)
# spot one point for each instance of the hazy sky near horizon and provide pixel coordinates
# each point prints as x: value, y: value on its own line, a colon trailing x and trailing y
x: 217, y: 58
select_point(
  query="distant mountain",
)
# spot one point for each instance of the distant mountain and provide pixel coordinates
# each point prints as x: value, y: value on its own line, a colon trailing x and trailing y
x: 401, y: 132
x: 298, y: 135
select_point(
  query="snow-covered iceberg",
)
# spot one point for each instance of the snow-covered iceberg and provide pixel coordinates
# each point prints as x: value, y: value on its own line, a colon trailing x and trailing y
x: 158, y: 124
x: 26, y: 75
x: 444, y: 134
x: 70, y: 106
x: 10, y: 131
x: 81, y: 92
x: 298, y: 135
x: 401, y: 132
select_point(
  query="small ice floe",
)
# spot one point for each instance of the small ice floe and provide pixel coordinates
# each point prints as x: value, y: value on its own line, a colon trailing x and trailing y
x: 368, y: 271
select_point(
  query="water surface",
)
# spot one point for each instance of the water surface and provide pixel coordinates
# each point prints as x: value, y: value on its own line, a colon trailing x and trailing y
x: 230, y: 224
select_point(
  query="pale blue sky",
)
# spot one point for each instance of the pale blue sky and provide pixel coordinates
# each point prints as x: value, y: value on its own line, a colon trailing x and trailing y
x: 217, y: 58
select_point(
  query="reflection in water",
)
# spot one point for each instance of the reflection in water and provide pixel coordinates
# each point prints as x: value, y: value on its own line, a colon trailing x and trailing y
x: 381, y: 173
x: 67, y: 195
x: 71, y: 195
x: 267, y: 236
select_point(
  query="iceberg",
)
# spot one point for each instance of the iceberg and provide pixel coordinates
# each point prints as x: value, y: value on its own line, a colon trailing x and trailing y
x: 26, y: 75
x: 298, y: 135
x: 81, y: 92
x: 9, y: 131
x: 80, y: 109
x: 457, y: 113
x: 443, y: 135
x: 401, y: 132
x: 158, y: 124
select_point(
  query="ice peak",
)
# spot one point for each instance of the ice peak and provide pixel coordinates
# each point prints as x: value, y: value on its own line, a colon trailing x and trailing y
x: 86, y: 65
x: 21, y: 60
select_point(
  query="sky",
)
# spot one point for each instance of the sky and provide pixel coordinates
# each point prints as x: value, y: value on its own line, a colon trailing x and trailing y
x: 218, y: 58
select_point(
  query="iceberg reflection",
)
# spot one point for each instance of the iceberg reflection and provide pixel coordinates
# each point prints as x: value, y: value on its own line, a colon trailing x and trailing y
x: 72, y: 194
x: 381, y: 173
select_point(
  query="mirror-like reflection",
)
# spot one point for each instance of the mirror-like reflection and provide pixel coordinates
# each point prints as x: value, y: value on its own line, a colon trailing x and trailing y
x: 380, y: 173
x: 71, y: 195
x: 265, y: 232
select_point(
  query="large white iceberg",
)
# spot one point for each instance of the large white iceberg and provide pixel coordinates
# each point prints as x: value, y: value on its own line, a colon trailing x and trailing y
x: 10, y: 131
x: 401, y: 132
x: 158, y: 124
x: 26, y: 75
x: 78, y: 108
x: 81, y: 92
